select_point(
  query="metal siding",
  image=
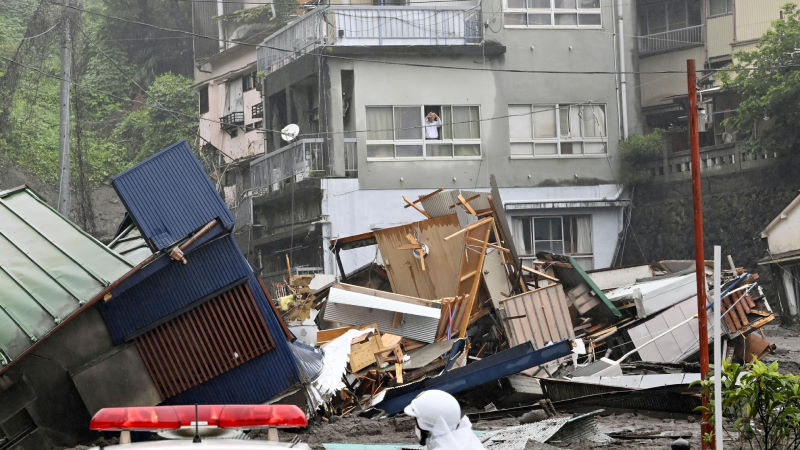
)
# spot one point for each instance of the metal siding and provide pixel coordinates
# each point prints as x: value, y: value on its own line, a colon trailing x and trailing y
x: 169, y: 196
x: 545, y: 316
x: 754, y: 18
x: 210, y: 268
x: 720, y: 35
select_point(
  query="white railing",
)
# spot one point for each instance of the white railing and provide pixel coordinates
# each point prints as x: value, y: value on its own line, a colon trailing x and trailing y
x: 719, y: 159
x: 370, y: 26
x: 671, y: 40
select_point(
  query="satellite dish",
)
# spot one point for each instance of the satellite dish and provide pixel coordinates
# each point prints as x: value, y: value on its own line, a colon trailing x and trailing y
x: 290, y: 132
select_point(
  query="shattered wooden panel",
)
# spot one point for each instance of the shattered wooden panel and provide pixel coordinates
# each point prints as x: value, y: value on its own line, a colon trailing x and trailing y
x: 406, y: 276
x: 539, y: 317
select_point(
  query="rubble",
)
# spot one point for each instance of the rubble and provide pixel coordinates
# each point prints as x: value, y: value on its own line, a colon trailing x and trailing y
x: 448, y: 305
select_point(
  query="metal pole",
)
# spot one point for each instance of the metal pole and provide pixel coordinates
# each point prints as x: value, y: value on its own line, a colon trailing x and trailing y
x: 63, y: 136
x: 717, y: 347
x: 697, y: 201
x: 623, y: 77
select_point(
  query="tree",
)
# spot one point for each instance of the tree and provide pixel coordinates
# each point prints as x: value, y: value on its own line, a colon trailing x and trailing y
x: 767, y: 80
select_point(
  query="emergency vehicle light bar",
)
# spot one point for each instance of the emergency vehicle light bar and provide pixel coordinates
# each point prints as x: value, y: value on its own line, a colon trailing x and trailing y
x: 155, y: 418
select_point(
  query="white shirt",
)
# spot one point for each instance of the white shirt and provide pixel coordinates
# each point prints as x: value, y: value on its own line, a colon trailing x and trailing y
x: 431, y: 131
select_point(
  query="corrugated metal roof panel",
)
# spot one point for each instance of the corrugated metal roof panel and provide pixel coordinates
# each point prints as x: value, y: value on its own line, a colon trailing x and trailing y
x: 539, y: 316
x: 170, y: 196
x: 48, y: 268
x: 210, y: 268
x: 441, y: 204
x: 352, y: 308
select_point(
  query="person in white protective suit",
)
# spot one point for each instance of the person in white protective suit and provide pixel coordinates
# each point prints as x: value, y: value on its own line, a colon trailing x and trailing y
x: 439, y: 422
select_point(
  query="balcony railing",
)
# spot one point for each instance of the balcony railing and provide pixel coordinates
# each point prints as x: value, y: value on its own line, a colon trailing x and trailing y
x: 230, y: 122
x: 671, y: 40
x: 717, y: 159
x: 257, y: 111
x: 371, y: 26
x: 301, y: 159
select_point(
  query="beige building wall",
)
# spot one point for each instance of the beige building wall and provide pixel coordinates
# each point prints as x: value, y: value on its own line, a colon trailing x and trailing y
x: 656, y: 87
x: 719, y: 35
x: 754, y: 17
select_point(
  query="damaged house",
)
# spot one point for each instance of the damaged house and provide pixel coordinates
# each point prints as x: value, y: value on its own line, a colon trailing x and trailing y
x: 177, y: 316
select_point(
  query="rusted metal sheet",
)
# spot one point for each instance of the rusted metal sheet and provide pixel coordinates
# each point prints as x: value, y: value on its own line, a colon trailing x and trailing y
x: 209, y: 340
x: 540, y: 317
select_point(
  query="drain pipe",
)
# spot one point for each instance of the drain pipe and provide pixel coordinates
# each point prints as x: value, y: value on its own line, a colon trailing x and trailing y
x: 220, y: 25
x: 623, y: 84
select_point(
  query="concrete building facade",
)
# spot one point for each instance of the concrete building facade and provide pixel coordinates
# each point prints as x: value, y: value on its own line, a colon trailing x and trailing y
x: 531, y: 93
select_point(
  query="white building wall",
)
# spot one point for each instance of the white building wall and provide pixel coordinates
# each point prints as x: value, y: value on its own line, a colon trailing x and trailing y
x: 349, y: 210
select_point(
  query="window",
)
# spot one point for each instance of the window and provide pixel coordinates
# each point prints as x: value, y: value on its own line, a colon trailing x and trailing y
x: 563, y: 235
x: 398, y: 132
x: 552, y: 13
x: 660, y: 16
x: 557, y: 130
x: 204, y: 99
x: 720, y: 7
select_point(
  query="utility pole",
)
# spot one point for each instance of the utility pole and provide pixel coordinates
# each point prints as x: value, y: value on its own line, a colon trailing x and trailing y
x: 697, y: 201
x: 63, y: 136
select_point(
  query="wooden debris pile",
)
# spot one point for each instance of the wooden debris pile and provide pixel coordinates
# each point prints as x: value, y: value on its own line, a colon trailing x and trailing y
x: 453, y: 291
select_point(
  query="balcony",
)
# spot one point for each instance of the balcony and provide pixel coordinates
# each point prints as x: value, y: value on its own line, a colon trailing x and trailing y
x: 301, y: 159
x: 671, y: 40
x: 340, y: 25
x: 230, y: 123
x: 257, y: 111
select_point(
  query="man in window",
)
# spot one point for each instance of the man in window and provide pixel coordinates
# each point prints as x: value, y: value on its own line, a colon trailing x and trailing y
x: 432, y: 124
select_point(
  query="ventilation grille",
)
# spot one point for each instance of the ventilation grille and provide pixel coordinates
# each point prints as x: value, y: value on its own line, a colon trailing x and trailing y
x: 213, y: 338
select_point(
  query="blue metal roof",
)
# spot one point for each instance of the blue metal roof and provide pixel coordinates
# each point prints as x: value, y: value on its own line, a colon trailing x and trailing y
x: 257, y: 380
x: 169, y: 196
x: 501, y: 364
x: 175, y: 287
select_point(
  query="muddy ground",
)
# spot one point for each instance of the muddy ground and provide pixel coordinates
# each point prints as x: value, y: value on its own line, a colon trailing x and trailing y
x: 632, y: 429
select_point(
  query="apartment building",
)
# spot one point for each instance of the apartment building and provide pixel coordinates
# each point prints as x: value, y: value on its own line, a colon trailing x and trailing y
x: 532, y: 92
x: 710, y: 32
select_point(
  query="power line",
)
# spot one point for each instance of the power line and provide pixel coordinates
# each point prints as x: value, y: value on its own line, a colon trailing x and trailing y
x: 408, y: 64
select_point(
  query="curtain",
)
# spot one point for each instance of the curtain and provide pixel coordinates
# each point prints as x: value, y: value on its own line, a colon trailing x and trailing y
x: 519, y: 122
x: 583, y: 225
x: 379, y: 123
x: 544, y: 121
x: 465, y: 122
x: 518, y: 234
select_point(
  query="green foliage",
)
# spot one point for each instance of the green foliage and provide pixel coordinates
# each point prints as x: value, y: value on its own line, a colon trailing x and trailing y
x: 764, y: 404
x: 768, y: 83
x: 168, y: 117
x: 637, y: 150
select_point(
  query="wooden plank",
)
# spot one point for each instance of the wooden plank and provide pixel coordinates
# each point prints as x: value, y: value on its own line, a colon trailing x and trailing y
x: 387, y: 295
x: 466, y: 205
x: 469, y: 199
x: 476, y: 241
x: 541, y: 274
x: 425, y: 196
x: 469, y: 264
x: 397, y: 319
x: 413, y: 205
x: 398, y: 372
x: 470, y: 227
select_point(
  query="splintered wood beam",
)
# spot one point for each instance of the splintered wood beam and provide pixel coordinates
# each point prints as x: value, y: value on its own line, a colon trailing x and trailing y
x: 397, y: 319
x: 467, y: 206
x: 467, y: 200
x: 398, y: 372
x: 424, y: 197
x: 478, y: 241
x: 413, y: 205
x: 541, y: 274
x: 477, y: 224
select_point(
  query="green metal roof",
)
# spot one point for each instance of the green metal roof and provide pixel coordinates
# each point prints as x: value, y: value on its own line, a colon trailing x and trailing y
x: 48, y: 268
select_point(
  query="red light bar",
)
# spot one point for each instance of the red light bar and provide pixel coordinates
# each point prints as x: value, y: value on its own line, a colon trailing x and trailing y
x: 155, y: 418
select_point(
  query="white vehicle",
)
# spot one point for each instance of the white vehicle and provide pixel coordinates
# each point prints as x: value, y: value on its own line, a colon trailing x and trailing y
x: 200, y: 426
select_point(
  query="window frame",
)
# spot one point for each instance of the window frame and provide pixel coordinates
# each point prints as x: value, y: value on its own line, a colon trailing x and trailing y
x: 563, y: 218
x: 552, y: 11
x: 421, y: 141
x: 559, y: 139
x: 728, y: 9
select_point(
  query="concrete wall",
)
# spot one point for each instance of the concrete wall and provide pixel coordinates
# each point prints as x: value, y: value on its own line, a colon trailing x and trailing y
x: 657, y: 87
x: 754, y: 17
x: 719, y: 35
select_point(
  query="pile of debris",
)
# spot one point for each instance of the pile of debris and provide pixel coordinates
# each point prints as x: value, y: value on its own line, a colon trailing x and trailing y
x: 452, y: 307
